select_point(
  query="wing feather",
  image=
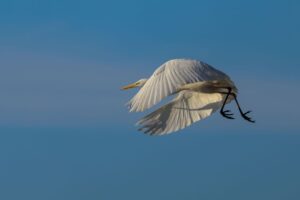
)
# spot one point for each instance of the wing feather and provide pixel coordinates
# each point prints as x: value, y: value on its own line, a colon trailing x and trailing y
x: 187, y: 108
x: 168, y: 77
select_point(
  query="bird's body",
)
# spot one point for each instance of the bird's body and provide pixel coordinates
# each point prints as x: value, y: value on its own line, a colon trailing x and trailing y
x: 200, y: 89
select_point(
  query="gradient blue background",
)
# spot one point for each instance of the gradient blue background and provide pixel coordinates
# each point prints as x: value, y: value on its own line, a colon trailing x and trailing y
x: 65, y: 133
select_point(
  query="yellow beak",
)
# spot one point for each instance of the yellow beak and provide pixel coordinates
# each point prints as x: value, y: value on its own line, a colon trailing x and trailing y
x: 133, y: 85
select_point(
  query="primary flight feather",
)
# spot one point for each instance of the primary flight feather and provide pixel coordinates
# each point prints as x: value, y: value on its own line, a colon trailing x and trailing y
x: 200, y: 88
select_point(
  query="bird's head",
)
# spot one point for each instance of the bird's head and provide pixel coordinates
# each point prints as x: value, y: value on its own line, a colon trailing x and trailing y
x: 139, y: 83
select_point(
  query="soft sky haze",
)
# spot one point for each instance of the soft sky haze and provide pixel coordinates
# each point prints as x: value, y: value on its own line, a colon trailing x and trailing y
x: 66, y: 134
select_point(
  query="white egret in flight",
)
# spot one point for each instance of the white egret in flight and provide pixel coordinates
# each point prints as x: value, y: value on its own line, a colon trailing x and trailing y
x: 200, y: 90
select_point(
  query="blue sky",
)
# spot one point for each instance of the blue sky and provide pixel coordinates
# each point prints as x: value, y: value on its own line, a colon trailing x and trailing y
x: 65, y: 130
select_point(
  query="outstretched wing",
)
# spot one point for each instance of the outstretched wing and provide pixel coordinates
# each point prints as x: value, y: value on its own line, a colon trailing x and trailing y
x: 168, y: 77
x: 187, y: 108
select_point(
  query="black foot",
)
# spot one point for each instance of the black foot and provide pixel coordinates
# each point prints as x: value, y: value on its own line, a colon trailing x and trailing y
x: 227, y: 114
x: 244, y: 115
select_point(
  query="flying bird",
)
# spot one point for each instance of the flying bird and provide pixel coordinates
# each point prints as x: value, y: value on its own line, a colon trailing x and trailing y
x: 200, y: 90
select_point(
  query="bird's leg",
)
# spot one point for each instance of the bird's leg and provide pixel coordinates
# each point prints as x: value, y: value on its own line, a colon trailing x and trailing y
x: 226, y: 113
x: 244, y: 115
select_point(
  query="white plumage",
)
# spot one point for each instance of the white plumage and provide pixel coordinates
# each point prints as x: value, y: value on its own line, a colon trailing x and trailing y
x: 188, y: 107
x: 200, y: 88
x: 168, y: 77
